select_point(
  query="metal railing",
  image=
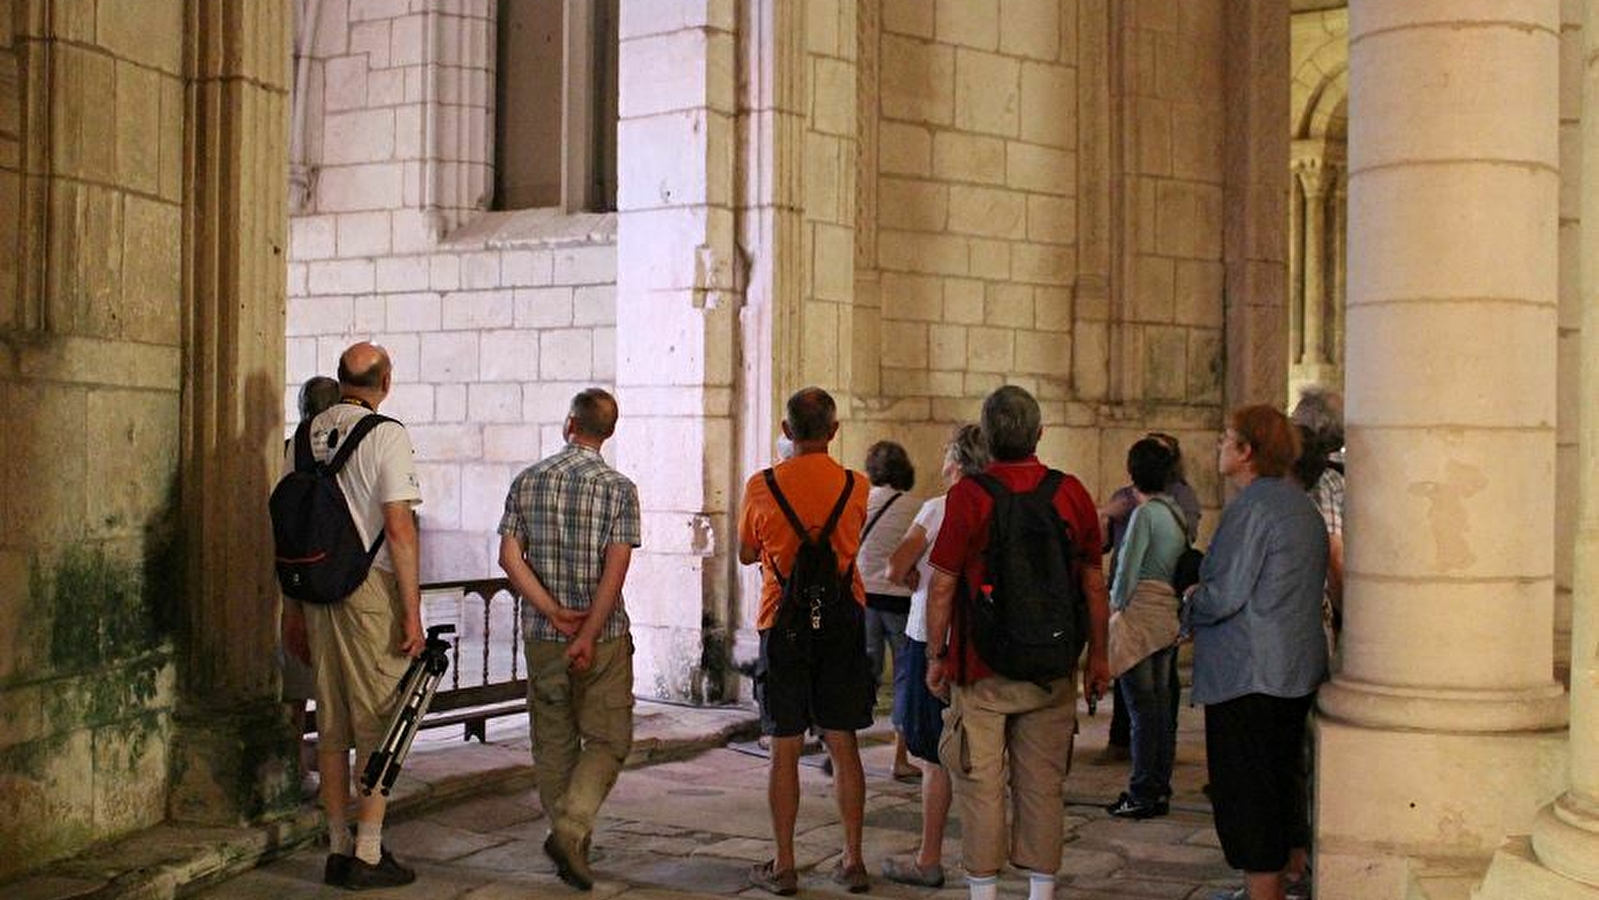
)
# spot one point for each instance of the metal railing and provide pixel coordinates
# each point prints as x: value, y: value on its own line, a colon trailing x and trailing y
x: 486, y: 678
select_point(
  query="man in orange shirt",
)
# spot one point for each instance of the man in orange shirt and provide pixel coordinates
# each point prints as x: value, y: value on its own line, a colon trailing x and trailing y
x: 812, y: 670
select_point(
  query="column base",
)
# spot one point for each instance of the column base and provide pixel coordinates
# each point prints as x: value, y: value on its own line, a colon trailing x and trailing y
x: 1516, y: 874
x: 234, y: 767
x: 1378, y: 823
x: 1566, y: 838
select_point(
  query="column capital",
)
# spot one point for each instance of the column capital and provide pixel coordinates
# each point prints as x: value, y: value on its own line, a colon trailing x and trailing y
x: 1316, y: 174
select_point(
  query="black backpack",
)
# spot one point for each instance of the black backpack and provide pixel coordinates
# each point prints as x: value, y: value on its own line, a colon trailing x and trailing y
x: 320, y: 556
x: 818, y: 610
x: 1030, y: 620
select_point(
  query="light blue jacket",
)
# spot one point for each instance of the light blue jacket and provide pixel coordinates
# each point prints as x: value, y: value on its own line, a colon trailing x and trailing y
x: 1156, y: 536
x: 1256, y: 616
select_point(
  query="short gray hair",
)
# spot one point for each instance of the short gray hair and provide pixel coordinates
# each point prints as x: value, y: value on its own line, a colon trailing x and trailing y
x: 1321, y: 410
x: 1012, y: 423
x: 317, y: 394
x: 967, y: 449
x: 594, y: 413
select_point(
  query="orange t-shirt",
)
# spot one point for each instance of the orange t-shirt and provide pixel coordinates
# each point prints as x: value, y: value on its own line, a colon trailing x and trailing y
x: 811, y: 483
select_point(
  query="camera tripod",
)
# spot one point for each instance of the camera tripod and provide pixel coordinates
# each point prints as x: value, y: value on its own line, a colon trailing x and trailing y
x: 418, y: 686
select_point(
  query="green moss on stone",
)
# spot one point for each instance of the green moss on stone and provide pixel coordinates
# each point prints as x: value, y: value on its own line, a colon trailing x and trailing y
x: 101, y: 609
x: 32, y: 758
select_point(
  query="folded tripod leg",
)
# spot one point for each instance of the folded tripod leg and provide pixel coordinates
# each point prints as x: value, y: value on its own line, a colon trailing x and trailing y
x: 420, y: 682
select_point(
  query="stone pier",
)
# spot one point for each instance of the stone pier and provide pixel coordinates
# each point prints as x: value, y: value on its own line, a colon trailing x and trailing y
x: 1447, y: 651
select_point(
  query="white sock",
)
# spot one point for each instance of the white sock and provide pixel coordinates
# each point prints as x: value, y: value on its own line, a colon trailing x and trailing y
x: 369, y: 842
x: 339, y: 840
x: 983, y: 888
x: 1040, y: 886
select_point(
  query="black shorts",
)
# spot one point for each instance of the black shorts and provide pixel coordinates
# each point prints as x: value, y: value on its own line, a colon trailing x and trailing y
x: 831, y: 692
x: 1254, y: 746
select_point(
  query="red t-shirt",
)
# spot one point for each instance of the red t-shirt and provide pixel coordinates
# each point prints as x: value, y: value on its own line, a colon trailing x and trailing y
x: 964, y: 535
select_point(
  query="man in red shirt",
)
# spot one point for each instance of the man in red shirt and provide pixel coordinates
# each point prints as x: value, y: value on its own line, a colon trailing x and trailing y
x: 991, y: 717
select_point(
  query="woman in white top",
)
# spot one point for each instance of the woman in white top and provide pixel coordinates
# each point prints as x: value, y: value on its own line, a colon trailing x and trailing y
x: 922, y: 718
x: 888, y: 514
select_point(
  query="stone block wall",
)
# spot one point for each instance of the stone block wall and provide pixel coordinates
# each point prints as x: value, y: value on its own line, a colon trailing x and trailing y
x: 1172, y: 71
x: 91, y: 192
x: 489, y: 344
x: 975, y: 218
x: 975, y: 276
x: 396, y: 126
x: 494, y: 320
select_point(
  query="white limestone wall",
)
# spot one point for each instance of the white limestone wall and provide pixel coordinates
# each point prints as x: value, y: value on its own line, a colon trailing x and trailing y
x: 398, y: 96
x: 493, y: 320
x: 489, y: 345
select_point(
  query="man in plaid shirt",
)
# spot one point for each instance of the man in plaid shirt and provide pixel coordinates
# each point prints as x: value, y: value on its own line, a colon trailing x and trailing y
x: 570, y: 525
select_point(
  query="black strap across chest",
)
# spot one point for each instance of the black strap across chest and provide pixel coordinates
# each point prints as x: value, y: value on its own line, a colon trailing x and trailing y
x: 793, y: 517
x: 879, y: 514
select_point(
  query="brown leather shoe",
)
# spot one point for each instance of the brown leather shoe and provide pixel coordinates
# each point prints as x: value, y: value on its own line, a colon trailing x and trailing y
x: 571, y: 862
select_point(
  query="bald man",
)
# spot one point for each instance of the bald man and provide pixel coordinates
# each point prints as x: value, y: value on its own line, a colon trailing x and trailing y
x: 362, y: 645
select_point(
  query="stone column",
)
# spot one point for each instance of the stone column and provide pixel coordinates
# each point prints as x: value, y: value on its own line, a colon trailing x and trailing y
x: 233, y: 749
x: 1337, y: 255
x: 1296, y: 266
x: 678, y: 273
x: 1450, y: 387
x: 1255, y: 200
x: 1313, y: 179
x: 1566, y: 835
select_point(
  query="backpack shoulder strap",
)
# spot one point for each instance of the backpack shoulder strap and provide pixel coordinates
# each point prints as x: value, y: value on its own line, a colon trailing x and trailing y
x: 1182, y: 520
x: 990, y: 484
x: 838, y: 508
x: 304, y: 460
x: 357, y: 432
x: 782, y: 503
x: 1050, y: 484
x: 879, y: 514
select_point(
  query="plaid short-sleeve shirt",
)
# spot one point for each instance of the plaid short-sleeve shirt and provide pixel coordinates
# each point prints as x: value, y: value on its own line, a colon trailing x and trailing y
x: 1328, y: 496
x: 564, y: 510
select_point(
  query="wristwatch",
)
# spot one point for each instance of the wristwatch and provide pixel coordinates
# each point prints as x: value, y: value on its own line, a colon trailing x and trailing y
x: 938, y: 654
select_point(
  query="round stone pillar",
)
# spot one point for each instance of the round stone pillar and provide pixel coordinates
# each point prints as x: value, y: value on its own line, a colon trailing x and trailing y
x: 1442, y: 732
x: 1566, y: 837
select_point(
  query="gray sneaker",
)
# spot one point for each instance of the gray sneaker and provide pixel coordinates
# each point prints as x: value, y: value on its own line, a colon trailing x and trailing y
x: 904, y: 870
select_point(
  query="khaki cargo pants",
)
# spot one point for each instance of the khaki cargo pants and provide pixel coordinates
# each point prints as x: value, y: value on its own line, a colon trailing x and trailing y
x: 998, y: 727
x: 582, y: 729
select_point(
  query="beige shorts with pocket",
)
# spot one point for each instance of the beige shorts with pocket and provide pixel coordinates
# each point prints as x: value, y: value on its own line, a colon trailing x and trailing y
x: 357, y: 663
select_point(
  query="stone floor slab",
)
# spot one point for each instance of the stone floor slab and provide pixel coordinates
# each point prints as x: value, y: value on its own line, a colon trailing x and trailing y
x: 430, y: 840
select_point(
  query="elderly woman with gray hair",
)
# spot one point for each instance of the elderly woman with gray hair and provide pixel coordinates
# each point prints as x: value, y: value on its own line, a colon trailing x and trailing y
x: 922, y: 720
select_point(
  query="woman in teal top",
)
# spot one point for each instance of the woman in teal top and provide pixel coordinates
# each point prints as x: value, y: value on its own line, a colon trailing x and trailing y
x: 1144, y: 635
